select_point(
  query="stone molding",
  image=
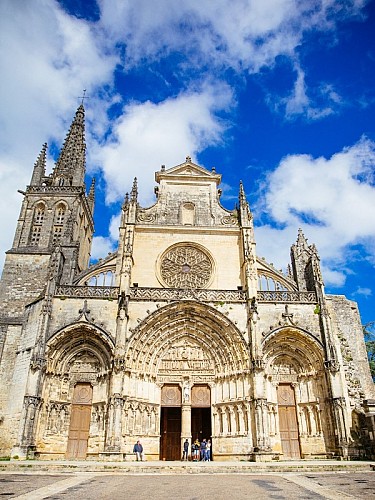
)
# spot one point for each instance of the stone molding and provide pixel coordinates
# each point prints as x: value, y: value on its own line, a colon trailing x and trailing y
x: 106, y: 292
x: 287, y: 296
x: 168, y: 294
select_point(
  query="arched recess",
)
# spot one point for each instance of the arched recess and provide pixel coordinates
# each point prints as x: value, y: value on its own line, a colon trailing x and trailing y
x: 295, y: 376
x: 187, y: 324
x: 77, y: 355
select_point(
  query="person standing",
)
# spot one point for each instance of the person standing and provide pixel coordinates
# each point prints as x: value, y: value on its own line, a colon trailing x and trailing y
x: 203, y: 450
x: 185, y: 453
x: 208, y: 450
x: 196, y: 450
x: 138, y: 450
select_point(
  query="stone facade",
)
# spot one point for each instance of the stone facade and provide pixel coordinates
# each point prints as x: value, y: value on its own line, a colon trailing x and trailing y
x: 182, y: 333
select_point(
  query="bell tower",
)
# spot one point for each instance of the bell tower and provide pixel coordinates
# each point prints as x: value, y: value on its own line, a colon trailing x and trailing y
x: 56, y: 220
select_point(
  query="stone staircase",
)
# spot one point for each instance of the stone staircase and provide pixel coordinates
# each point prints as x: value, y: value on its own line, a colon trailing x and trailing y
x: 159, y: 467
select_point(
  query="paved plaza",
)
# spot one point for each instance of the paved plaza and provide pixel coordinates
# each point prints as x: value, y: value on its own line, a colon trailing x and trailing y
x: 289, y: 486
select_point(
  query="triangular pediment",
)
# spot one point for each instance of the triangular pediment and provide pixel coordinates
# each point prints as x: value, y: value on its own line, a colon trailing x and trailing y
x: 186, y: 170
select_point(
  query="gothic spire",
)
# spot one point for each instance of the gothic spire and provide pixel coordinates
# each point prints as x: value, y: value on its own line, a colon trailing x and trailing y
x: 39, y: 167
x: 91, y: 196
x: 70, y: 167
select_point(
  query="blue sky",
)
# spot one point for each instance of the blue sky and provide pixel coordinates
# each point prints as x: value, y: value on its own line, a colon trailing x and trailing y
x: 276, y: 93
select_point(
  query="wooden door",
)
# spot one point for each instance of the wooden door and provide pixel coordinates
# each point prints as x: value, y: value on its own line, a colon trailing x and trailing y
x: 288, y: 424
x: 79, y: 421
x: 170, y: 448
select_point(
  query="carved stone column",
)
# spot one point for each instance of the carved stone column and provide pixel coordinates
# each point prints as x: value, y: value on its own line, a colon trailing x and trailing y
x: 185, y: 425
x: 339, y: 411
x: 31, y: 410
x: 114, y: 430
x: 261, y: 424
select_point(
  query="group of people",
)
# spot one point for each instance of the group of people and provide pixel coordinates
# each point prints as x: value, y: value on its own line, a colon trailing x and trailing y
x: 199, y: 451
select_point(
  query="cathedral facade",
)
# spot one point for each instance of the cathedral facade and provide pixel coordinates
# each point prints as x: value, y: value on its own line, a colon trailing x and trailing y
x: 183, y: 332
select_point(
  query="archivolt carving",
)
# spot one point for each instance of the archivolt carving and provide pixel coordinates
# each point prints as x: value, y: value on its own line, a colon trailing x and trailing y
x: 209, y: 339
x: 291, y: 352
x: 80, y: 353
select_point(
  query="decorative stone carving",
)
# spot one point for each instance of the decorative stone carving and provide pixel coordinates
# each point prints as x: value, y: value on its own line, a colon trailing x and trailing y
x: 168, y: 294
x: 200, y: 396
x: 107, y: 292
x: 287, y: 296
x: 145, y: 218
x: 186, y: 266
x: 171, y: 395
x: 186, y: 358
x: 229, y: 220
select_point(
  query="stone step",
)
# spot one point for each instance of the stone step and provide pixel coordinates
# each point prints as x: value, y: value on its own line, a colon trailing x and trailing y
x: 185, y: 467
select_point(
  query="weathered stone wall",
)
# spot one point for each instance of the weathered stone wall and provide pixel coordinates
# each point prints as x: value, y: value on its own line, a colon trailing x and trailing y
x: 23, y: 280
x: 348, y: 329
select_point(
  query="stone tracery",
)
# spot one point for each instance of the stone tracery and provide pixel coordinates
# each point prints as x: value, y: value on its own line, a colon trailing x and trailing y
x: 186, y: 266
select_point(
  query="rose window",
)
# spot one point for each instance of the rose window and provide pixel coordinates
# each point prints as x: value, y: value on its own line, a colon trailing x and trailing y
x: 186, y: 266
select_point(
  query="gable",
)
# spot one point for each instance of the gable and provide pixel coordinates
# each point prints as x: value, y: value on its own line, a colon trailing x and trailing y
x: 187, y: 170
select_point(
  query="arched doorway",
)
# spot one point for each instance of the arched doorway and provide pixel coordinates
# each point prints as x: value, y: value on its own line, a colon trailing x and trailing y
x: 75, y: 392
x: 288, y: 425
x: 295, y: 382
x: 80, y: 417
x: 201, y: 421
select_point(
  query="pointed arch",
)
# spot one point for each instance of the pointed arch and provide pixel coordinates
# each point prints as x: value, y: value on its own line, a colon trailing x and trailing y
x: 59, y: 219
x: 67, y: 343
x: 299, y: 346
x: 205, y: 327
x: 39, y: 217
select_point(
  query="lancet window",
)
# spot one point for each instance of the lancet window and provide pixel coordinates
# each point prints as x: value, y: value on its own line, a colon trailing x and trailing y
x: 58, y: 224
x: 38, y: 220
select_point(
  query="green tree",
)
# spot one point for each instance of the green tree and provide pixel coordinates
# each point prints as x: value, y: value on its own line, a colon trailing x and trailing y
x: 369, y: 334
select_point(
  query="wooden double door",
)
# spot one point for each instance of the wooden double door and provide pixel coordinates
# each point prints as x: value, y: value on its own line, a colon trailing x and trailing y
x: 80, y: 418
x: 288, y: 423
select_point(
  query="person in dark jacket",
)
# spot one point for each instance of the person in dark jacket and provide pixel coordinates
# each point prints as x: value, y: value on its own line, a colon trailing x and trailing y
x: 138, y: 450
x: 185, y: 454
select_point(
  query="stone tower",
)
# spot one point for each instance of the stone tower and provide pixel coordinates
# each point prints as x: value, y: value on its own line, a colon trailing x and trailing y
x: 56, y: 217
x: 52, y: 244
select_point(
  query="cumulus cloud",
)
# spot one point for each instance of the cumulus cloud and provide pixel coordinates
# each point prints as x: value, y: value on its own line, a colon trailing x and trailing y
x: 246, y: 34
x: 46, y: 58
x: 332, y: 199
x: 148, y: 135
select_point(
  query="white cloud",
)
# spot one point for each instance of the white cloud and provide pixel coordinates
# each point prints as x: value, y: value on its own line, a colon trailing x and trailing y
x: 148, y: 135
x: 331, y: 199
x: 364, y: 291
x: 46, y: 59
x: 101, y: 246
x: 244, y: 34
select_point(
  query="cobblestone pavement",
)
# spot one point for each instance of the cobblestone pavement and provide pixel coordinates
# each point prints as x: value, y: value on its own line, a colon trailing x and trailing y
x: 102, y: 486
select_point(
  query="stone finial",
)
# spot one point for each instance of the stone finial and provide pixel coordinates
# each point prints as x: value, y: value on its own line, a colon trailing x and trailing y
x: 188, y: 159
x: 39, y: 167
x: 91, y: 195
x: 134, y: 191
